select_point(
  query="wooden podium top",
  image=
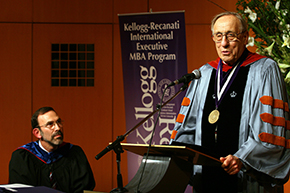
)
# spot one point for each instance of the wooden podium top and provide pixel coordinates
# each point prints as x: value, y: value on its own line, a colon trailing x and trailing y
x: 199, y: 157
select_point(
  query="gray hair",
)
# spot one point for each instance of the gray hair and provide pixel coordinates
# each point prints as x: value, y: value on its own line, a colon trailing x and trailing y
x: 243, y: 26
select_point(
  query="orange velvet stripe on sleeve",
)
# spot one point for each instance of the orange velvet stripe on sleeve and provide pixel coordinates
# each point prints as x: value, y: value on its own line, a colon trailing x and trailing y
x: 275, y: 103
x: 174, y: 132
x: 185, y: 101
x: 274, y: 120
x: 274, y: 139
x: 180, y: 118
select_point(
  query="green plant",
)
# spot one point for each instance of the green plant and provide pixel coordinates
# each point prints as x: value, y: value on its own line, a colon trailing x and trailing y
x: 270, y: 23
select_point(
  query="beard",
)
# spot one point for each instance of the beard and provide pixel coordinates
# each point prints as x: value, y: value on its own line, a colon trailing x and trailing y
x: 54, y: 141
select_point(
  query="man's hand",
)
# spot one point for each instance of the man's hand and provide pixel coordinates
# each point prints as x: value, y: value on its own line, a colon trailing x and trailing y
x: 231, y: 164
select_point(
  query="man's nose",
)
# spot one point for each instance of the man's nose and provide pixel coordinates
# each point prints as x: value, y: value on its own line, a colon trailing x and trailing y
x: 57, y: 126
x: 225, y: 42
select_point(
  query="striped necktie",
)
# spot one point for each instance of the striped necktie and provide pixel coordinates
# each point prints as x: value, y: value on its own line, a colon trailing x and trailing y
x: 52, y: 181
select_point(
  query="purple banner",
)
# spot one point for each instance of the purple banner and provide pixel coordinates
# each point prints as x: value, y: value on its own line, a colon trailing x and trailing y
x: 153, y: 55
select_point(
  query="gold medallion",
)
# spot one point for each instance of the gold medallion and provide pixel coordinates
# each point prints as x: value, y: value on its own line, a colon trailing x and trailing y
x: 213, y: 116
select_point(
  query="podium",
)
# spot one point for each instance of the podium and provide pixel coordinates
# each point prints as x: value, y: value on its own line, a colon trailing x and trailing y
x: 168, y: 167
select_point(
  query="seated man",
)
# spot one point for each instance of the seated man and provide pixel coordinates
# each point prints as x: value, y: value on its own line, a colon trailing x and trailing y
x: 50, y: 161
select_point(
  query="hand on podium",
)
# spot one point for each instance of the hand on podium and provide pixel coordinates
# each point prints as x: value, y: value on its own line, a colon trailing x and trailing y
x: 231, y: 164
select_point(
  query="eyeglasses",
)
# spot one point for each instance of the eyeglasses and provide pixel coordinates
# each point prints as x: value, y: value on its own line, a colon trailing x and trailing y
x: 231, y: 36
x: 51, y: 124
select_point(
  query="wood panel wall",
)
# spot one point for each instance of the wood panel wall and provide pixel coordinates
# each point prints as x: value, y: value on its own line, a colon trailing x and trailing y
x: 94, y: 116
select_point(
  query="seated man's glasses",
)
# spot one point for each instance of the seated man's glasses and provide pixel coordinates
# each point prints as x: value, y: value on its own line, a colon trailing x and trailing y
x: 230, y: 36
x: 51, y: 124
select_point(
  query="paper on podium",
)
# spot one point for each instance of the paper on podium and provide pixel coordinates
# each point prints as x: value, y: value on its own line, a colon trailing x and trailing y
x: 23, y: 188
x: 197, y: 154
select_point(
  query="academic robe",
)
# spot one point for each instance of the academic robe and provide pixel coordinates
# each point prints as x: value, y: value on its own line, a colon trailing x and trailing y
x: 67, y: 168
x: 262, y: 132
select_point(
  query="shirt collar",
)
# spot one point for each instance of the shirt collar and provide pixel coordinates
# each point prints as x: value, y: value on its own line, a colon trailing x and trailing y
x: 40, y: 145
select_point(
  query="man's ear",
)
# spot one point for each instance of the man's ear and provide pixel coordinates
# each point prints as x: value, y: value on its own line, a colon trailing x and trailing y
x: 36, y: 133
x: 246, y: 37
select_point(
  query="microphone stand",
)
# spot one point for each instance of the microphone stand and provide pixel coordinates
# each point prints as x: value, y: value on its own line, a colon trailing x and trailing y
x: 116, y: 145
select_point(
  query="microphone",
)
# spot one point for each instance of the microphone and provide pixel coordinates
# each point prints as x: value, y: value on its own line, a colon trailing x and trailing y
x: 187, y: 78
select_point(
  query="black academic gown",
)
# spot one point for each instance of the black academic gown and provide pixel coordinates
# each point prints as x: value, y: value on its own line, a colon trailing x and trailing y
x: 68, y: 165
